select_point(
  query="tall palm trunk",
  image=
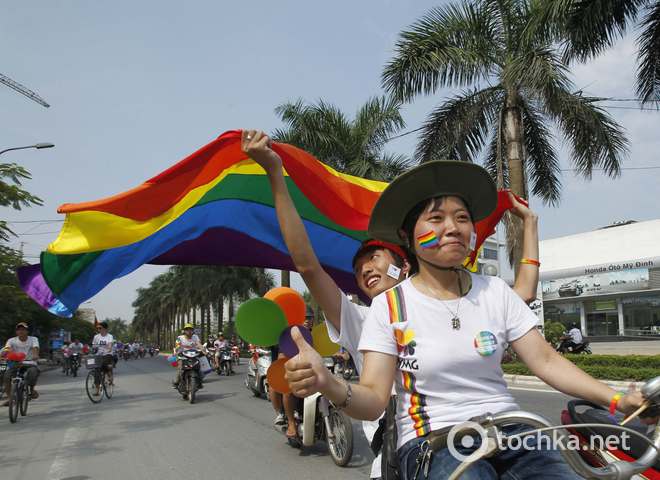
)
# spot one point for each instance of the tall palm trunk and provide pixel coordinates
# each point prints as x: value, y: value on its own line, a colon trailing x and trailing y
x: 221, y: 313
x: 230, y: 315
x: 286, y: 278
x: 512, y: 131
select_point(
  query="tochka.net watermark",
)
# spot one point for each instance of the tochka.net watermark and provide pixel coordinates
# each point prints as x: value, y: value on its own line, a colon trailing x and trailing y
x: 541, y: 441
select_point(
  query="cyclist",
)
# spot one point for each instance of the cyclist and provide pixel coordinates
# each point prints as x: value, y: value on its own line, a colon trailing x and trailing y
x: 103, y: 343
x: 378, y: 266
x: 189, y: 340
x: 23, y: 343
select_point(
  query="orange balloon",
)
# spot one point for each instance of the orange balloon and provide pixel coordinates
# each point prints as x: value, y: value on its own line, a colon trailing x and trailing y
x: 291, y: 303
x: 275, y: 376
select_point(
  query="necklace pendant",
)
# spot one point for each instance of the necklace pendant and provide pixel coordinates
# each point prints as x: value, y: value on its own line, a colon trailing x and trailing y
x: 456, y: 323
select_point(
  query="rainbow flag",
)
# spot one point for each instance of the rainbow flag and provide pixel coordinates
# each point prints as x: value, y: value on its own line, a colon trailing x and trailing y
x: 215, y: 207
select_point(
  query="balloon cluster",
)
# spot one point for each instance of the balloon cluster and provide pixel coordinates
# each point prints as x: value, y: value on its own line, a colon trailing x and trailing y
x: 268, y: 322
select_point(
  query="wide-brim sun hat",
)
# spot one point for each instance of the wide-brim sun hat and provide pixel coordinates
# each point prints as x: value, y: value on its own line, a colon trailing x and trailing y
x: 439, y: 178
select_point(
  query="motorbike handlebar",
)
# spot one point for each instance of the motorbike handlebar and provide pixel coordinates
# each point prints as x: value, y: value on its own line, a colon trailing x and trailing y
x: 618, y: 470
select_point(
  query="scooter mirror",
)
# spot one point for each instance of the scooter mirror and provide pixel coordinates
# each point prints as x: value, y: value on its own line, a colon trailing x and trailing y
x: 651, y: 390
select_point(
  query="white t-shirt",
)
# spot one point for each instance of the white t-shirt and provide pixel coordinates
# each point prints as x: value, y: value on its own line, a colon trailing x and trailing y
x: 446, y: 376
x: 25, y: 347
x: 576, y: 335
x: 352, y: 317
x: 221, y: 344
x: 104, y: 344
x: 185, y: 343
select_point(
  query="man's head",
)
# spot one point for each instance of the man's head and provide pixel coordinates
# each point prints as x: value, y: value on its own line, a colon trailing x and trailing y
x: 188, y: 329
x: 379, y: 266
x: 22, y: 330
x: 75, y: 340
x: 102, y: 328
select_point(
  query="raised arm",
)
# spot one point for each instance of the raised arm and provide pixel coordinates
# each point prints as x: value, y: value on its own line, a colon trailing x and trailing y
x: 306, y: 375
x: 322, y: 287
x: 528, y: 275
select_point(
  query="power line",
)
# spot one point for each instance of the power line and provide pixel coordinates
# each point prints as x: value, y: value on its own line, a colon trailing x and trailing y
x: 36, y: 221
x: 632, y: 108
x: 42, y: 233
x: 602, y: 169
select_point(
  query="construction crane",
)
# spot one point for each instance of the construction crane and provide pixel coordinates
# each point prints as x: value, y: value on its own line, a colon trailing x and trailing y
x: 23, y: 90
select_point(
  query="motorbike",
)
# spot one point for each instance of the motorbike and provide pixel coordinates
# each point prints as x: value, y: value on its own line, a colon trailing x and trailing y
x: 74, y: 364
x: 126, y: 355
x: 210, y: 355
x: 236, y: 354
x: 318, y: 420
x: 152, y: 352
x: 595, y: 455
x: 565, y: 346
x: 255, y: 379
x: 225, y: 362
x: 191, y: 374
x: 605, y: 453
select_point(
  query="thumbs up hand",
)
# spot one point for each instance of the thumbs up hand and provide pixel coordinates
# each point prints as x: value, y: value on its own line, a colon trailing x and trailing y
x: 305, y: 372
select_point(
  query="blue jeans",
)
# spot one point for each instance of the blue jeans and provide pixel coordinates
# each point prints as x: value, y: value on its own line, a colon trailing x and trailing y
x: 508, y: 464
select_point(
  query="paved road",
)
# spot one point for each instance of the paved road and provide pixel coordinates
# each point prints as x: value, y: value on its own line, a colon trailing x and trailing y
x: 147, y: 432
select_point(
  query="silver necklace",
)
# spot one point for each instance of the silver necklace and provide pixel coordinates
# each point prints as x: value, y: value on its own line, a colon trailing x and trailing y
x: 455, y: 320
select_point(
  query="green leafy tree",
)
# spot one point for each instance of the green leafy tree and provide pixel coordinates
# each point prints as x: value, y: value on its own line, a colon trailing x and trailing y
x: 515, y: 90
x: 352, y: 146
x: 11, y: 193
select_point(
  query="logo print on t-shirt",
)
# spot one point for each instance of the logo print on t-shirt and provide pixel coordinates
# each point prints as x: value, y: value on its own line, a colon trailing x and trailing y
x: 485, y: 343
x: 405, y: 338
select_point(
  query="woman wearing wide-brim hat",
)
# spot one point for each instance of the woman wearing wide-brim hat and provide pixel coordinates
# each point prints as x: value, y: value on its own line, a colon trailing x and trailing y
x: 441, y: 333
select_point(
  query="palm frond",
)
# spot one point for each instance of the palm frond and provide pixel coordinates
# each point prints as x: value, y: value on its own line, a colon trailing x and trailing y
x: 539, y: 70
x: 455, y: 45
x: 458, y: 128
x: 596, y: 140
x: 648, y: 72
x: 377, y: 120
x: 541, y: 162
x: 594, y: 25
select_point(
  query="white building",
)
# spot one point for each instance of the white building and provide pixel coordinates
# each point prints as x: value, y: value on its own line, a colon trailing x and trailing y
x: 607, y: 280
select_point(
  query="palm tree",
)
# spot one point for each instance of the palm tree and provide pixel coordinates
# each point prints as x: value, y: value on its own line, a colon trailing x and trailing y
x: 515, y: 86
x: 588, y: 27
x: 353, y: 146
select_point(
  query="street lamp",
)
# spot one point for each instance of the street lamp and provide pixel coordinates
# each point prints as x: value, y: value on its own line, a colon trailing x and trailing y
x: 38, y: 146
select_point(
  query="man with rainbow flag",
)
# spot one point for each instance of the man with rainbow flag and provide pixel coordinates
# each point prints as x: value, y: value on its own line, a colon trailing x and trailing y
x: 378, y: 266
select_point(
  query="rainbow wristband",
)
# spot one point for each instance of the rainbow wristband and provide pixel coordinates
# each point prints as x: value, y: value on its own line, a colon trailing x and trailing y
x: 614, y: 402
x: 530, y: 261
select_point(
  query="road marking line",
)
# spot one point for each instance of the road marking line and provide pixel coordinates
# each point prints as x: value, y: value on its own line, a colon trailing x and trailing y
x: 64, y: 454
x: 526, y: 389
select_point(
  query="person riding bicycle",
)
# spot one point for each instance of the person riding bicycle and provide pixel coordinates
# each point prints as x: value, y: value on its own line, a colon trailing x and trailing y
x: 188, y: 341
x: 441, y: 335
x: 103, y: 343
x: 23, y: 343
x: 377, y: 265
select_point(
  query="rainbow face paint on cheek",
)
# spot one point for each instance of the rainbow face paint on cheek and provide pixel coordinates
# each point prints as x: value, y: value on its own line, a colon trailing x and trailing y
x: 428, y: 240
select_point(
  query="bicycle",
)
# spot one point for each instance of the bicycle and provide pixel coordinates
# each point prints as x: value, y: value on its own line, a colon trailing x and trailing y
x: 21, y: 392
x: 97, y: 380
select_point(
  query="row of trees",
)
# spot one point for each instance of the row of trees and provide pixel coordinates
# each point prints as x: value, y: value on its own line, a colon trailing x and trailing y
x: 178, y: 295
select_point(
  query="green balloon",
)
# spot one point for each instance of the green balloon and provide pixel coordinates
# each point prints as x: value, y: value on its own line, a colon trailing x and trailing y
x: 260, y: 321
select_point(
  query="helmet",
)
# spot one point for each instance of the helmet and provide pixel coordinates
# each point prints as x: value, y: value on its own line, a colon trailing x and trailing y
x: 188, y: 325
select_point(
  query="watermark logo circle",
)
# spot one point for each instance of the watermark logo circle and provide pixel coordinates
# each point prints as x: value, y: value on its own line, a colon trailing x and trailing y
x: 467, y: 441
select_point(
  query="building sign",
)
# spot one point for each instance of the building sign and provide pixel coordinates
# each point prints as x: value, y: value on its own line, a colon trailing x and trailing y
x: 645, y: 263
x: 597, y: 283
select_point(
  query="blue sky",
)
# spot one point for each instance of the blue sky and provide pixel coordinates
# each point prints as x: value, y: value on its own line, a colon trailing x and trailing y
x: 136, y: 86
